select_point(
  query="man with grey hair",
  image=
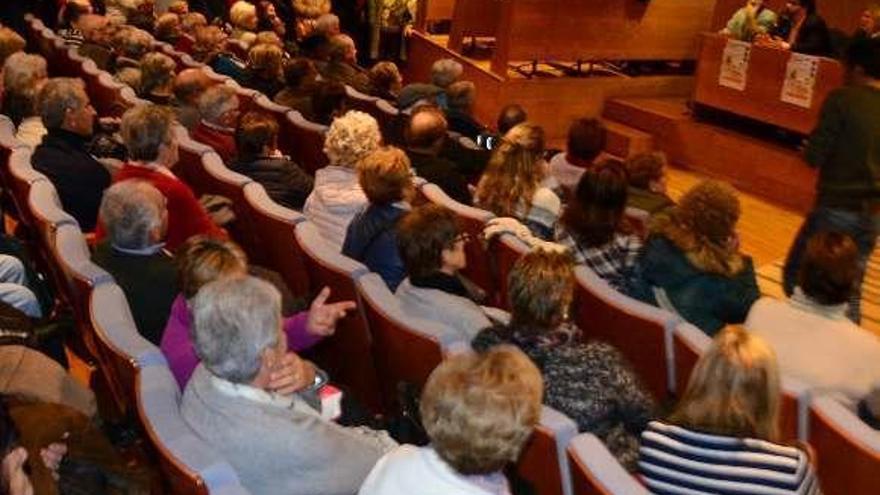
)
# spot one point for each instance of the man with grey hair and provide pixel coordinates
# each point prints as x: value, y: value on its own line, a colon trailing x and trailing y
x: 135, y: 216
x: 278, y: 444
x: 460, y: 98
x: 189, y: 85
x: 218, y: 106
x: 444, y: 72
x: 343, y: 67
x: 63, y: 156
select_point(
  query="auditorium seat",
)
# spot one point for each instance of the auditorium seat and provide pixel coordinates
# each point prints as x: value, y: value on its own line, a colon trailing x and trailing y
x: 189, y: 157
x: 8, y: 143
x: 506, y: 249
x: 286, y: 142
x: 594, y: 471
x: 22, y: 176
x: 391, y: 122
x: 307, y: 139
x: 543, y: 462
x: 275, y: 226
x: 121, y: 349
x: 214, y: 76
x: 355, y: 100
x: 347, y: 354
x: 405, y: 349
x: 189, y: 465
x: 106, y: 96
x: 245, y: 95
x: 638, y: 330
x: 129, y: 98
x: 847, y: 450
x: 472, y: 221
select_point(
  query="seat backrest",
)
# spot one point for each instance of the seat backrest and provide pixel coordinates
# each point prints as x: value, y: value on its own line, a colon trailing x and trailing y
x: 543, y: 461
x: 506, y: 249
x: 392, y: 122
x: 355, y: 100
x: 8, y: 143
x: 347, y: 354
x: 405, y: 349
x: 189, y: 161
x: 472, y: 221
x: 121, y: 349
x: 106, y: 96
x: 308, y: 142
x: 595, y: 471
x: 847, y: 450
x: 45, y: 206
x: 189, y: 465
x: 22, y: 177
x: 245, y: 95
x: 275, y: 226
x: 638, y: 330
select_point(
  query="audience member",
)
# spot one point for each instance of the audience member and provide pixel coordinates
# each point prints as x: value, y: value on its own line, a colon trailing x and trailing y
x: 512, y: 184
x: 586, y: 141
x: 444, y: 72
x: 269, y: 20
x: 800, y: 29
x: 262, y: 431
x: 508, y: 118
x: 327, y: 102
x: 264, y: 69
x: 723, y: 434
x: 300, y: 76
x: 189, y: 24
x: 479, y: 410
x: 130, y: 45
x: 590, y: 382
x: 431, y: 246
x: 179, y: 7
x: 10, y: 42
x: 70, y: 18
x: 63, y: 156
x: 385, y: 81
x: 168, y: 28
x: 425, y: 136
x: 189, y: 85
x: 140, y: 14
x: 691, y: 264
x: 753, y: 19
x: 460, y: 98
x: 594, y: 228
x: 390, y: 23
x: 134, y: 215
x: 31, y: 375
x: 869, y: 23
x: 152, y: 151
x: 258, y: 158
x: 218, y: 107
x: 23, y: 77
x: 371, y: 238
x: 337, y: 196
x: 203, y: 260
x: 157, y: 78
x: 244, y: 20
x: 316, y: 45
x: 211, y: 48
x: 98, y: 34
x: 342, y: 66
x: 843, y: 148
x: 647, y: 182
x: 131, y: 77
x: 307, y: 13
x: 810, y: 333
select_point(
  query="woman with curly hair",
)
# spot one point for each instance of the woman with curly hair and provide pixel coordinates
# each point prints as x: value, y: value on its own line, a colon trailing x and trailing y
x: 691, y: 263
x: 512, y: 185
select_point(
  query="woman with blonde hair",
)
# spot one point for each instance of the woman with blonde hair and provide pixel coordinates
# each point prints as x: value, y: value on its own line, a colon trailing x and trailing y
x: 244, y: 20
x: 722, y: 437
x: 264, y: 69
x: 512, y: 186
x: 591, y: 382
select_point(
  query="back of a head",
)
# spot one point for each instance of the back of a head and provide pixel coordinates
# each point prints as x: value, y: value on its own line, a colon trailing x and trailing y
x: 385, y: 76
x: 864, y: 55
x: 540, y: 289
x: 10, y: 42
x: 510, y: 116
x: 327, y: 25
x: 586, y: 139
x: 299, y: 72
x: 201, y: 260
x: 256, y: 131
x: 341, y: 46
x: 422, y: 235
x: 208, y: 39
x: 57, y: 96
x: 600, y: 199
x: 157, y: 71
x: 191, y: 21
x: 710, y: 211
x: 479, y: 409
x: 73, y: 11
x: 385, y: 176
x: 217, y: 101
x: 351, y: 138
x: 266, y: 61
x: 328, y: 100
x: 426, y: 128
x: 167, y: 26
x: 189, y: 84
x: 645, y: 168
x: 22, y: 71
x: 242, y: 14
x: 235, y: 319
x: 829, y: 268
x: 514, y: 171
x: 734, y: 389
x: 145, y: 129
x: 131, y: 211
x: 461, y: 95
x: 445, y: 72
x: 269, y: 38
x: 132, y: 43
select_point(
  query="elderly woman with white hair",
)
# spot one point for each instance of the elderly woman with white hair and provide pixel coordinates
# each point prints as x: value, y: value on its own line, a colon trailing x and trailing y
x: 244, y: 19
x: 444, y: 72
x: 276, y: 442
x: 337, y: 196
x: 218, y: 106
x: 23, y: 76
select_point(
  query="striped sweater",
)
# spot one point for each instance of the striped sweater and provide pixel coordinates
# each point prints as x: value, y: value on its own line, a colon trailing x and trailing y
x: 675, y: 460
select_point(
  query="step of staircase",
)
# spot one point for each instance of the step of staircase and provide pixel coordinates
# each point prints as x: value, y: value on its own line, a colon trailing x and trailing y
x: 625, y: 141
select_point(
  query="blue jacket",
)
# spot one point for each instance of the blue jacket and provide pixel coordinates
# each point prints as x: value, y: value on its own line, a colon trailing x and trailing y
x: 706, y: 300
x: 371, y: 238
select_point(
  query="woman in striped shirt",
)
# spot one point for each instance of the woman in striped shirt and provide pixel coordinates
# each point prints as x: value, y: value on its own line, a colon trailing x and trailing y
x: 721, y: 438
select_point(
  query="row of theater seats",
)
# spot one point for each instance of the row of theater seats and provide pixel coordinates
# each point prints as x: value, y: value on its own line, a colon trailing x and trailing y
x: 378, y: 346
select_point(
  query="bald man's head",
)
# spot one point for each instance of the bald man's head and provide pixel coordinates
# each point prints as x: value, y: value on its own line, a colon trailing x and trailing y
x: 427, y: 129
x: 189, y: 85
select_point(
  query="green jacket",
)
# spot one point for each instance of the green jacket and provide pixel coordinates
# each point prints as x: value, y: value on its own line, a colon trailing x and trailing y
x: 738, y: 26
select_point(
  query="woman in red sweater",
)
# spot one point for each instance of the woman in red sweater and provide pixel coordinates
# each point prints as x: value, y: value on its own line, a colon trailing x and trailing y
x: 152, y: 150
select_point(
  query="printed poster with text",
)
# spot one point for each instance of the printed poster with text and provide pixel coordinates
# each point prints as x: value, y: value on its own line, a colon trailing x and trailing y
x: 800, y: 79
x: 735, y: 65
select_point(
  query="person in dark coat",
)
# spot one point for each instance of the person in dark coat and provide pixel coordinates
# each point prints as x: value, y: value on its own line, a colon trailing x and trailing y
x: 343, y: 67
x: 258, y: 158
x: 386, y: 179
x: 801, y: 30
x: 63, y: 156
x: 425, y: 136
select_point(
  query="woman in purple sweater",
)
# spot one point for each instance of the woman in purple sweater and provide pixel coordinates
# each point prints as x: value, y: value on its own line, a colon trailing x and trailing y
x: 202, y: 260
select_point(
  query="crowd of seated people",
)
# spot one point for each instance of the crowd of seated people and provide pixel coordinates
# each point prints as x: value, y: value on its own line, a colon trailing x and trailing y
x: 236, y: 353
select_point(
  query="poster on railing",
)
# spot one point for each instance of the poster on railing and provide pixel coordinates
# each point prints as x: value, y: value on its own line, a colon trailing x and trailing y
x: 735, y: 65
x: 800, y: 79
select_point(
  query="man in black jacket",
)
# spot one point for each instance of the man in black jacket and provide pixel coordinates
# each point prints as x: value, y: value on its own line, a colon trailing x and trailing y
x: 63, y: 157
x: 801, y: 30
x: 425, y: 137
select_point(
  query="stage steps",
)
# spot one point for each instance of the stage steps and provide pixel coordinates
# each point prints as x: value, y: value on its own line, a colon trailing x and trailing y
x: 625, y: 141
